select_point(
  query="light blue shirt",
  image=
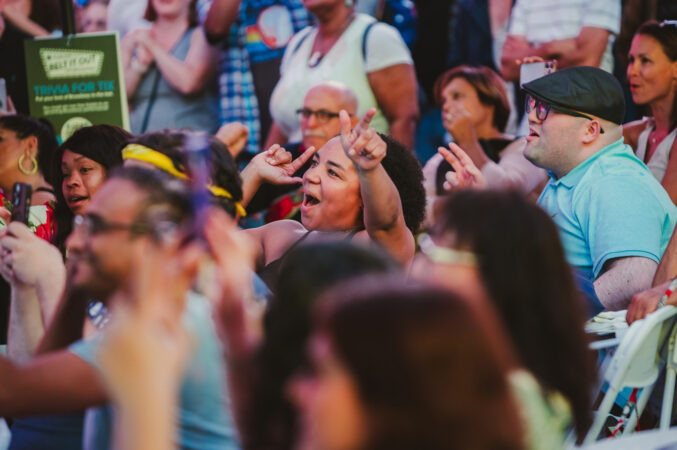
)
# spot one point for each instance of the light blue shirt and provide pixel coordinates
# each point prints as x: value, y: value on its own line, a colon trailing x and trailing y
x: 205, y: 422
x: 609, y: 206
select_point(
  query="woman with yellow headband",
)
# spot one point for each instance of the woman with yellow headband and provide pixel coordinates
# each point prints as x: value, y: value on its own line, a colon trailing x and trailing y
x: 165, y: 150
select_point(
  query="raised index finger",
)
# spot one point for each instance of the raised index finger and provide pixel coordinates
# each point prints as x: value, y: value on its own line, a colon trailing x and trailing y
x: 364, y: 122
x: 303, y: 157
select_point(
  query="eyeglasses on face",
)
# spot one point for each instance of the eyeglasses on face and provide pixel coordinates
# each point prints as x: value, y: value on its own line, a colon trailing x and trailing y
x: 321, y: 115
x: 94, y: 224
x: 444, y: 255
x: 543, y: 109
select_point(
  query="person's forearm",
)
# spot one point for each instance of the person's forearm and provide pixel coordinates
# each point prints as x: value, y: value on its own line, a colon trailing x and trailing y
x: 251, y: 182
x: 510, y: 68
x: 403, y: 129
x: 26, y: 327
x: 24, y: 23
x: 587, y: 50
x: 667, y: 267
x: 182, y: 76
x: 50, y: 289
x: 132, y: 80
x: 148, y: 422
x: 66, y: 326
x: 625, y: 278
x: 380, y: 199
x: 221, y: 16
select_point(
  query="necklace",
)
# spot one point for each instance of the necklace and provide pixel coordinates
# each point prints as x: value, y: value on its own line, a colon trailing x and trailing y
x: 317, y: 56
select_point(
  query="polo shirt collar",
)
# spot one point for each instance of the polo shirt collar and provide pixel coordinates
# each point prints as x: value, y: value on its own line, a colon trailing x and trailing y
x: 572, y: 178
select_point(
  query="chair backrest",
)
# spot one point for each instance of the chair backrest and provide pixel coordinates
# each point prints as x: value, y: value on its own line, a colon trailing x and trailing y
x: 636, y: 362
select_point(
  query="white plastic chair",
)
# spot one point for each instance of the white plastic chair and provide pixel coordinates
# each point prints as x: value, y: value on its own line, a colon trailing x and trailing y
x: 637, y: 364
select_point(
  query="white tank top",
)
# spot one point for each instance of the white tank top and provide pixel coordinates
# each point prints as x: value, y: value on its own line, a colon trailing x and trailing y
x: 659, y: 160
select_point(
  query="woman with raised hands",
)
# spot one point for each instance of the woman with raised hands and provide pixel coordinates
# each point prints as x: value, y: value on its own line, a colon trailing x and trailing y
x: 360, y: 185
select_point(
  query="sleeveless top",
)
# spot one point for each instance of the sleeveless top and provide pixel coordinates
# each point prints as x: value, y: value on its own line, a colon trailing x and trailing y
x: 659, y: 160
x: 172, y: 109
x: 271, y: 271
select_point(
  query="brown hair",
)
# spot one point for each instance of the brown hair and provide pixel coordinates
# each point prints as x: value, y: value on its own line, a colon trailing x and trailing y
x: 431, y: 368
x: 488, y: 85
x: 665, y: 33
x: 522, y: 265
x: 151, y: 15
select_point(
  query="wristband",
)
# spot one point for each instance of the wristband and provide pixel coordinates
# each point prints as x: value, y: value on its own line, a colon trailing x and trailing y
x: 671, y: 288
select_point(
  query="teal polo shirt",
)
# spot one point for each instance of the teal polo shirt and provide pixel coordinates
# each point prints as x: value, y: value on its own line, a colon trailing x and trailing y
x: 609, y: 206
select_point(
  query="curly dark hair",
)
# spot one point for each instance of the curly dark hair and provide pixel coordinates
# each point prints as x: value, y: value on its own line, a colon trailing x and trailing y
x: 307, y: 271
x: 528, y: 279
x: 405, y: 171
x: 100, y: 143
x: 224, y: 171
x: 41, y: 129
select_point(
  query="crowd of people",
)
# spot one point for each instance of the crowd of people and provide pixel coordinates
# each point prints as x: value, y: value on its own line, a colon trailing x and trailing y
x: 272, y: 258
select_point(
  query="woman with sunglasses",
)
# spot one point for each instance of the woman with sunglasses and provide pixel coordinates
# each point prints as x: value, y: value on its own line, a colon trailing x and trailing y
x: 652, y: 74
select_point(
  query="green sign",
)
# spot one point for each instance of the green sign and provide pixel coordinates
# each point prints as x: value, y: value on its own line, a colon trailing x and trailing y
x: 76, y: 81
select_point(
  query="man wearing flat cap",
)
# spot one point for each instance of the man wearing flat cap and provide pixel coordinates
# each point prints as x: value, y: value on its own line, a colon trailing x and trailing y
x: 615, y: 219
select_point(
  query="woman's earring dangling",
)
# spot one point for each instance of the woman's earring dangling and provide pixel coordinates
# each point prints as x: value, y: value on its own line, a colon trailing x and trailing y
x: 33, y: 169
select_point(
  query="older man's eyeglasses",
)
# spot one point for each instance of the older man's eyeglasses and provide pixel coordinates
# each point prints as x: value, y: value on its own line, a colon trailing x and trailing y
x: 321, y: 115
x: 93, y: 224
x: 543, y: 109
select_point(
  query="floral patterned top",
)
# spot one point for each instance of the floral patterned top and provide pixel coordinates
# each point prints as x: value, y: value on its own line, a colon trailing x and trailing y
x: 40, y: 218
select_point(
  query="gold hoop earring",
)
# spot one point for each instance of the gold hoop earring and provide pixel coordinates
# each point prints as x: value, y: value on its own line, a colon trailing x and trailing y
x: 33, y: 170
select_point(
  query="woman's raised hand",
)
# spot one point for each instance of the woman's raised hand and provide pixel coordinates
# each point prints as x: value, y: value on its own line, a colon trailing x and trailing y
x: 362, y: 144
x: 276, y: 165
x: 466, y: 174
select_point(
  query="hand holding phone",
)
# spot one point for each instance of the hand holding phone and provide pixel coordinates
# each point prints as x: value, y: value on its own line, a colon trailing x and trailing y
x: 21, y: 202
x: 530, y: 71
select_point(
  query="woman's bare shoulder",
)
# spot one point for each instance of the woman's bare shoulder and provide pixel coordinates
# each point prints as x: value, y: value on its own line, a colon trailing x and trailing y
x: 632, y: 130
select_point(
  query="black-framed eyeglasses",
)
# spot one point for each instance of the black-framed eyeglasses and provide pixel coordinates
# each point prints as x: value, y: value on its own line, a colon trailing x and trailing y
x: 321, y: 115
x: 94, y: 224
x: 543, y: 109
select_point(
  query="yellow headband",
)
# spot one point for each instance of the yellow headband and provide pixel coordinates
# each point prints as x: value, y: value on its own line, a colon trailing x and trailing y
x: 145, y: 154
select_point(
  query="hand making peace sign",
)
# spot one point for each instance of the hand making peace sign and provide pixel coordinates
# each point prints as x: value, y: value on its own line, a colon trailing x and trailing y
x: 362, y: 145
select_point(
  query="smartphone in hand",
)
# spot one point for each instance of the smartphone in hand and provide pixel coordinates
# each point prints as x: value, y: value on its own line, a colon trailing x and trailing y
x: 21, y: 202
x: 532, y: 71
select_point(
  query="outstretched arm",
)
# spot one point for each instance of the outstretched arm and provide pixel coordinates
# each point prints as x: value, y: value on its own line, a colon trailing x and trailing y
x: 382, y: 207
